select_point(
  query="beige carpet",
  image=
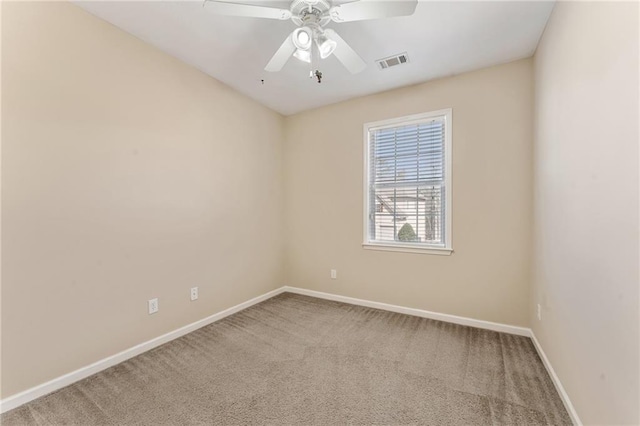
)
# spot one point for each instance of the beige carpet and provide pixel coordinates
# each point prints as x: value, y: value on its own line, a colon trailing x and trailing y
x: 299, y: 360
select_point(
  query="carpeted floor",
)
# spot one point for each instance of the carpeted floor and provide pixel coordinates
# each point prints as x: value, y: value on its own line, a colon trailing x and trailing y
x: 299, y: 360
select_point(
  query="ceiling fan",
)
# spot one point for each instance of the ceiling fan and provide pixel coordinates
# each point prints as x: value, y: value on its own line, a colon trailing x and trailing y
x: 311, y: 42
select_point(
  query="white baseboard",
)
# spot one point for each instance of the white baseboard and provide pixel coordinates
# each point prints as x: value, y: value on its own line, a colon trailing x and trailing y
x: 504, y: 328
x: 18, y: 399
x: 556, y: 382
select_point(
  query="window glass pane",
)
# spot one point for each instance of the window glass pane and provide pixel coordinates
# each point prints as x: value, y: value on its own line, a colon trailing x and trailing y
x: 409, y: 215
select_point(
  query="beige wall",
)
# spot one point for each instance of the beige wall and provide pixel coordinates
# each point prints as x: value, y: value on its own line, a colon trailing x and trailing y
x: 487, y: 277
x: 586, y: 206
x: 126, y: 175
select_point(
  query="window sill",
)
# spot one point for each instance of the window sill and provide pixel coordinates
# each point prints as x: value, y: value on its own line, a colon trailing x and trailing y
x: 408, y: 249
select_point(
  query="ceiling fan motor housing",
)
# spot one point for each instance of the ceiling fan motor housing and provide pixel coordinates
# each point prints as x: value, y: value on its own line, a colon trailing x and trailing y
x: 305, y: 12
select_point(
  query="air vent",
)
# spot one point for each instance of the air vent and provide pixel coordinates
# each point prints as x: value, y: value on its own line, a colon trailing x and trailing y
x: 393, y: 61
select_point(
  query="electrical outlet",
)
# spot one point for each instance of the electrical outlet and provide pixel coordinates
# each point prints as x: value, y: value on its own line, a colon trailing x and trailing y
x: 539, y: 312
x: 334, y: 274
x: 194, y: 293
x: 153, y: 306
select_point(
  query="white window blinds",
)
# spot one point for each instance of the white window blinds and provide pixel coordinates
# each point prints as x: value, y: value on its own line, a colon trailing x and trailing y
x: 407, y: 183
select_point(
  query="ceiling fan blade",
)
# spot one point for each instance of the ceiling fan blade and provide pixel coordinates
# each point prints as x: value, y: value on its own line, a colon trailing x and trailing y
x: 281, y: 56
x: 246, y: 10
x: 345, y: 54
x: 363, y: 9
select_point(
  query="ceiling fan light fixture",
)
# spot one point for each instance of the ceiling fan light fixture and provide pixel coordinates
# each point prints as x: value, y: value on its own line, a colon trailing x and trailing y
x: 326, y: 46
x: 303, y: 55
x: 302, y: 38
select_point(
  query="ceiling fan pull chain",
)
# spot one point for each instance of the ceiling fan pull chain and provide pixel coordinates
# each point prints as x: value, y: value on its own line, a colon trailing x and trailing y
x: 315, y: 60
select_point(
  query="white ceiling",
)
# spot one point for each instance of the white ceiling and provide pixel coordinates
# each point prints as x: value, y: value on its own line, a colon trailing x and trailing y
x: 441, y: 39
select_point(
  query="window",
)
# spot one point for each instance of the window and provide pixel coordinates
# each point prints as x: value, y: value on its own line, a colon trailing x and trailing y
x: 407, y: 202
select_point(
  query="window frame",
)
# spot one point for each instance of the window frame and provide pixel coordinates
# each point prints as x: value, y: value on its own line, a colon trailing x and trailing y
x: 421, y: 248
